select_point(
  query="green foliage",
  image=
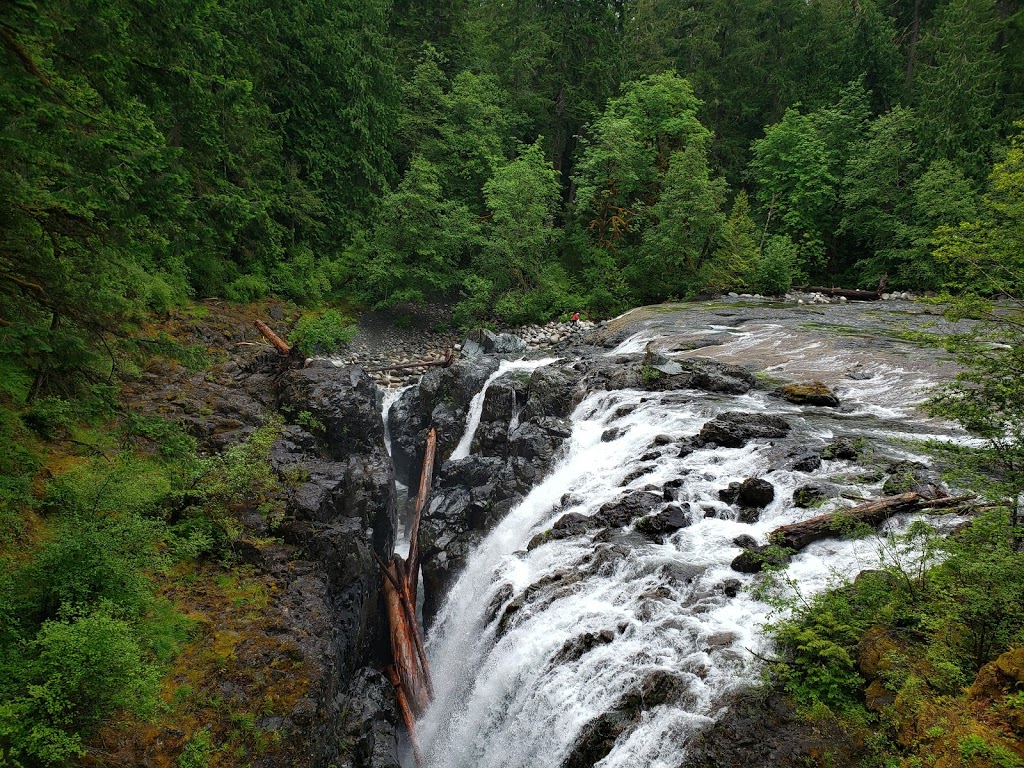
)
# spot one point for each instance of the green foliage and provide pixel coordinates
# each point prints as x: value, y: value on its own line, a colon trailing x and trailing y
x: 733, y: 261
x: 950, y: 605
x: 796, y: 181
x: 974, y: 748
x: 983, y: 255
x: 198, y: 751
x: 320, y: 333
x: 77, y: 670
x: 958, y: 84
x: 776, y: 267
x: 512, y: 278
x: 419, y: 239
x: 683, y: 230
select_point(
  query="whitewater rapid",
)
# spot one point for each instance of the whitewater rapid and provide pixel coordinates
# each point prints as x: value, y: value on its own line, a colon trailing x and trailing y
x: 508, y: 695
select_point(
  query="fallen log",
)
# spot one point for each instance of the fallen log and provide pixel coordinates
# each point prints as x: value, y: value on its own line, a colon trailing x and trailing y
x: 273, y: 338
x: 848, y: 293
x: 426, y: 479
x: 410, y: 672
x: 447, y: 360
x: 796, y: 536
x: 399, y: 582
x: 407, y: 716
x: 404, y: 649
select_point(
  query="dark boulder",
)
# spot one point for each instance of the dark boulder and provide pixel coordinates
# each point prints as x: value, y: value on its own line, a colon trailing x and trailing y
x: 912, y: 476
x: 551, y: 392
x: 754, y: 558
x: 344, y: 400
x: 369, y: 728
x: 485, y: 342
x: 666, y: 522
x: 756, y: 492
x: 731, y: 587
x: 749, y: 515
x: 841, y: 448
x: 812, y: 495
x: 616, y: 514
x: 764, y: 730
x: 705, y: 375
x: 441, y: 399
x: 578, y: 647
x: 598, y: 737
x: 468, y: 498
x: 734, y: 429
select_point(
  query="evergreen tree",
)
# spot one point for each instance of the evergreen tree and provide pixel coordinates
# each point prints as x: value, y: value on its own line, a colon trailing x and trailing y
x: 797, y: 183
x: 733, y: 261
x: 416, y: 248
x: 957, y: 85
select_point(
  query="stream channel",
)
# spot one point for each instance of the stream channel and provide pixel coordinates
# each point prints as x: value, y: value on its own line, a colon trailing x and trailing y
x: 614, y: 644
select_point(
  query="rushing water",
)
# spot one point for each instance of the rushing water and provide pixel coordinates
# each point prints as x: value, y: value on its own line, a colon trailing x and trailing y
x: 503, y: 700
x: 476, y: 405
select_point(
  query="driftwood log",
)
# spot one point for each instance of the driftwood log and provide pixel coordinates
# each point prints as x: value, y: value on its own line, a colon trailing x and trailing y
x: 410, y: 672
x: 796, y: 536
x: 848, y: 293
x: 447, y: 360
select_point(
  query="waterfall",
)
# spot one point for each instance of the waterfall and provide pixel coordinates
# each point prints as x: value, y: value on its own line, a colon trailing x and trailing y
x: 476, y: 405
x: 532, y: 644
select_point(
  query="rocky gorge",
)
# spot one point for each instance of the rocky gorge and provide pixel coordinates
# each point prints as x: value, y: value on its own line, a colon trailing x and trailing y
x: 596, y: 517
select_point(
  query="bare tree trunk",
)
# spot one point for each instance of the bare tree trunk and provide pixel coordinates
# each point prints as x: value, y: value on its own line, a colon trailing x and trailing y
x: 796, y: 536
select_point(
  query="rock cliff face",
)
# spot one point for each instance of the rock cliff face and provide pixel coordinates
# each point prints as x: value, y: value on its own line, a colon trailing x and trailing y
x: 342, y: 511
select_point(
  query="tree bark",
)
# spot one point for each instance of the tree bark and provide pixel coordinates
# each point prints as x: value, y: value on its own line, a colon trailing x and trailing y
x: 796, y: 536
x: 426, y: 479
x: 404, y: 649
x: 407, y: 716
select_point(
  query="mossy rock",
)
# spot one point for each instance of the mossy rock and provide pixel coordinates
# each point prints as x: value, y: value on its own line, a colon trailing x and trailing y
x: 810, y: 393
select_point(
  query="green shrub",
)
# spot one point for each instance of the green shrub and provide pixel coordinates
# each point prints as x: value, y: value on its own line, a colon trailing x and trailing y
x: 475, y: 305
x: 76, y: 671
x: 198, y: 752
x: 247, y: 288
x: 322, y: 333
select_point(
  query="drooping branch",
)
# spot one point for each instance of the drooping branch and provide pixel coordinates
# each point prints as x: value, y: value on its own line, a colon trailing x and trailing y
x: 796, y: 536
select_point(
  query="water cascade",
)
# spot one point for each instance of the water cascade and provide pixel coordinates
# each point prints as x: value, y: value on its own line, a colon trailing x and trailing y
x: 476, y: 405
x: 543, y: 642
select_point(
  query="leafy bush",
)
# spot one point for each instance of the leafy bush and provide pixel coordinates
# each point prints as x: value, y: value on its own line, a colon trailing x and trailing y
x: 247, y: 288
x: 77, y: 670
x: 322, y: 333
x: 198, y: 751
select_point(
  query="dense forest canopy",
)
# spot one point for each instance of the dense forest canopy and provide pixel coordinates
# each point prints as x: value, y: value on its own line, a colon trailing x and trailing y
x: 521, y: 159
